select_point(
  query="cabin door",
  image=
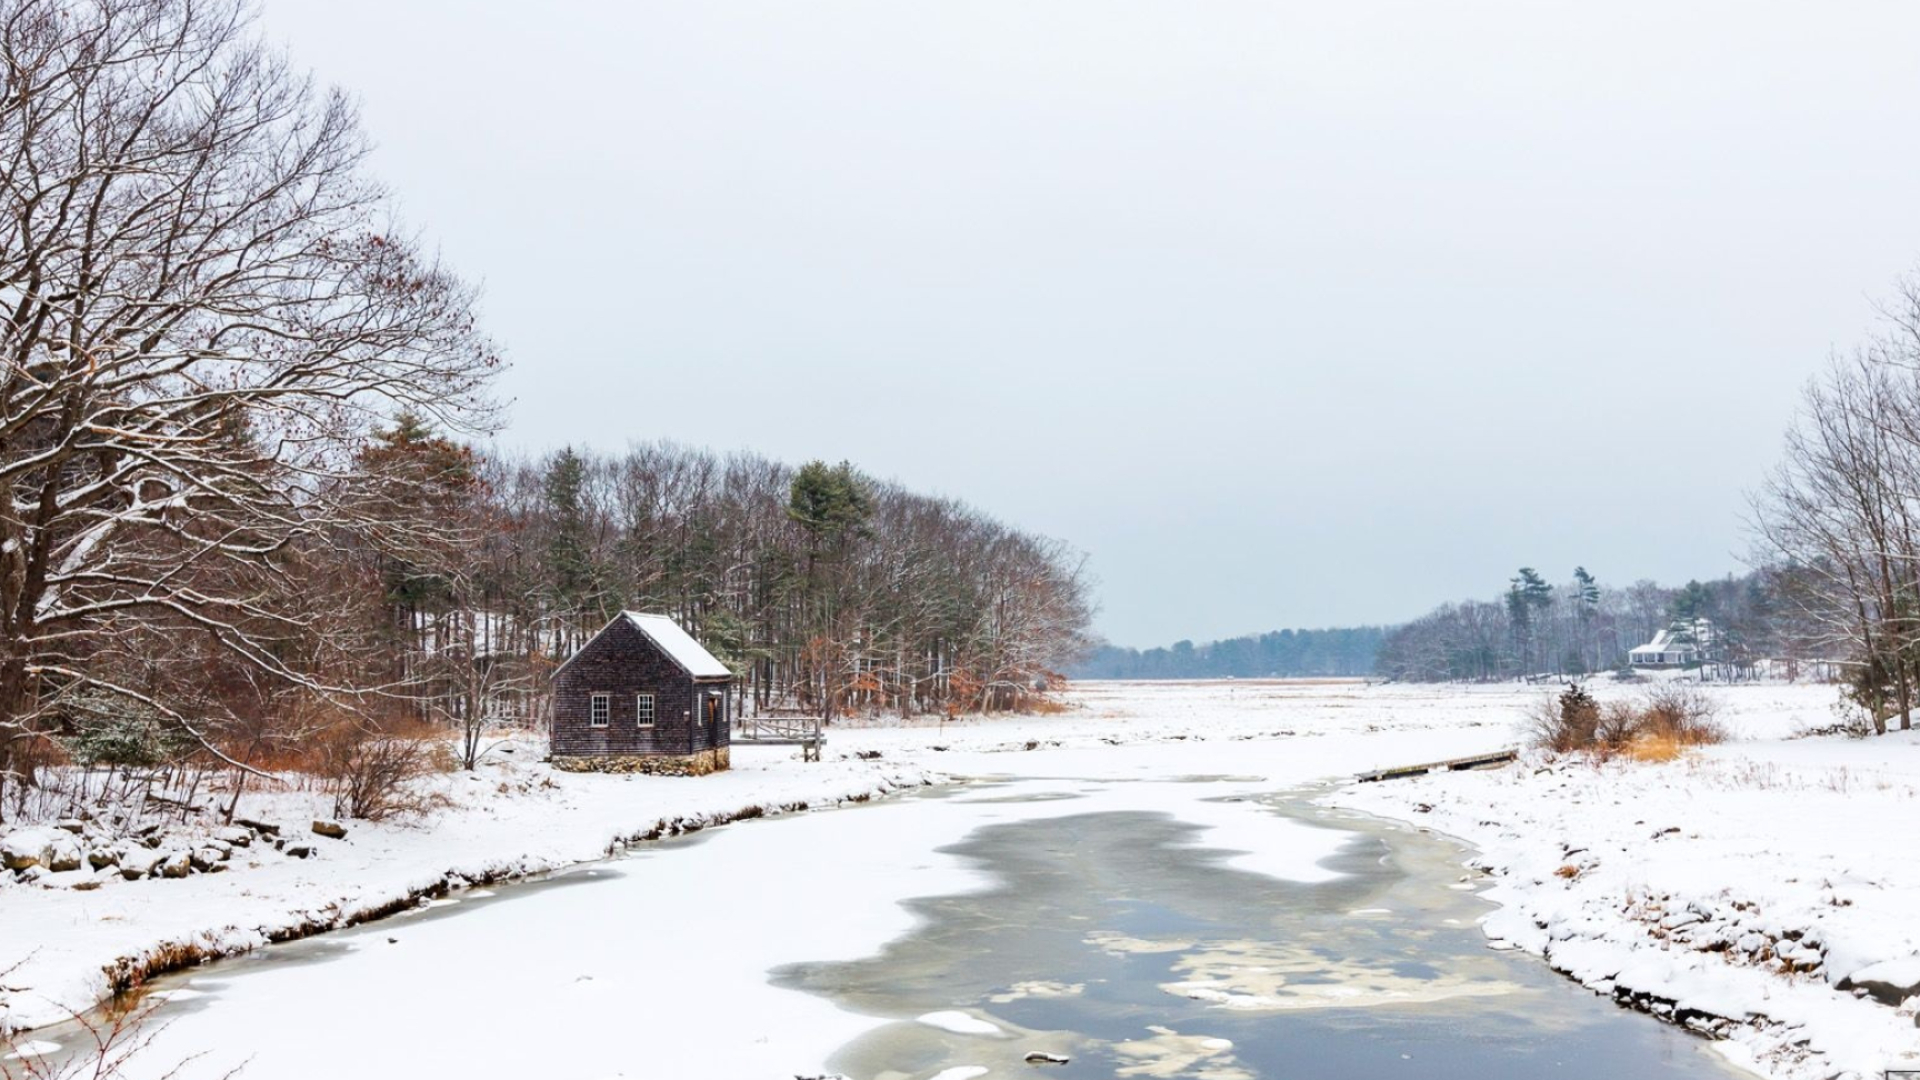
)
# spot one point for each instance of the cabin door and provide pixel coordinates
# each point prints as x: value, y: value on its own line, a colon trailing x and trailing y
x: 713, y: 717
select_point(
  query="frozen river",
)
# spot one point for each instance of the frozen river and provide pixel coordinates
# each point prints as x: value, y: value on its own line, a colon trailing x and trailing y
x: 1139, y: 922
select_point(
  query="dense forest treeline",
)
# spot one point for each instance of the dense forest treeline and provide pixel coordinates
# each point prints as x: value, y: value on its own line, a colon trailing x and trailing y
x: 820, y: 587
x: 1280, y: 654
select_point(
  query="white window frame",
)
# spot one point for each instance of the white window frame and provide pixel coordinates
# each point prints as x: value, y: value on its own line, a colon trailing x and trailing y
x: 599, y: 710
x: 643, y: 711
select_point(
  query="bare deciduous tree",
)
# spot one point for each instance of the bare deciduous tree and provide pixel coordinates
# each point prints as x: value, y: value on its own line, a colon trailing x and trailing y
x: 204, y: 307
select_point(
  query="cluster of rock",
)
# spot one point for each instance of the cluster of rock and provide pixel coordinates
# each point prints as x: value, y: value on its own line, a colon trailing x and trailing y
x: 82, y: 854
x: 699, y: 763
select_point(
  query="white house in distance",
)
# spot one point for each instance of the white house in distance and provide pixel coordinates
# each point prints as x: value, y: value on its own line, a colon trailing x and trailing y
x: 1676, y: 646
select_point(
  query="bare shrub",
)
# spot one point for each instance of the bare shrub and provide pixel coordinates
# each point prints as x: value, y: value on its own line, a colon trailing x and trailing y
x: 373, y: 775
x: 1565, y: 723
x: 1683, y: 713
x: 1665, y: 721
x: 1619, y: 722
x: 1047, y: 706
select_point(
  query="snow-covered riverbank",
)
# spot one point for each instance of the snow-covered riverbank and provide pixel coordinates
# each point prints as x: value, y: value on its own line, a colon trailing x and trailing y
x: 62, y: 948
x: 1780, y: 880
x: 1760, y: 891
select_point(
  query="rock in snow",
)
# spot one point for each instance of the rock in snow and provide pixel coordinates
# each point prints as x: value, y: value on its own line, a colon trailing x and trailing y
x: 331, y: 829
x: 25, y: 848
x: 1889, y: 982
x: 138, y: 862
x: 64, y: 853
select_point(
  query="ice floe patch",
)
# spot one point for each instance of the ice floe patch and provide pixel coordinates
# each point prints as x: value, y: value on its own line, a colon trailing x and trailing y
x: 960, y: 1023
x: 1115, y: 943
x: 1256, y: 840
x: 1263, y: 976
x: 1038, y: 988
x: 1170, y: 1054
x: 960, y: 1072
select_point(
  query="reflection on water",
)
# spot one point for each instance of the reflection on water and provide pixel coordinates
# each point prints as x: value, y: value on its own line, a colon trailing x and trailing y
x: 1112, y: 939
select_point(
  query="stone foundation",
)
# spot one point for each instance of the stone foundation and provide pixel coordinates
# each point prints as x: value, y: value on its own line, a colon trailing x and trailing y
x: 699, y: 763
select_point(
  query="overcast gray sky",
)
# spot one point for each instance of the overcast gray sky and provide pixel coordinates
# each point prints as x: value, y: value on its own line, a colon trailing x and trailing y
x: 1287, y: 314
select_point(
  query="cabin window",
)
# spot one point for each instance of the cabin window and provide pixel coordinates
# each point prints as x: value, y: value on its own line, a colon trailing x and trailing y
x: 599, y: 708
x: 643, y: 710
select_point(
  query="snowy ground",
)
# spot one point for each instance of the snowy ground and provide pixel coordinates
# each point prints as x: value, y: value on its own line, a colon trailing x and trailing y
x: 514, y: 818
x: 1784, y: 877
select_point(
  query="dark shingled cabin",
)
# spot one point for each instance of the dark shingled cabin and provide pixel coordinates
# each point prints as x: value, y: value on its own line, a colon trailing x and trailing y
x: 642, y: 696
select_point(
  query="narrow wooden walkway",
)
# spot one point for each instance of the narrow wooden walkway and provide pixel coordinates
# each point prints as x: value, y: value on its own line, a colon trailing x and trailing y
x: 1477, y: 761
x: 799, y: 730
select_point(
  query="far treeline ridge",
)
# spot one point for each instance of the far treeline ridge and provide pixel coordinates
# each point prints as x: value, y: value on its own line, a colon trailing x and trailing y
x: 1533, y: 628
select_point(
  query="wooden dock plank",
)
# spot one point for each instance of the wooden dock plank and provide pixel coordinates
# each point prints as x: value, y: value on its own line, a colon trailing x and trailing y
x: 1476, y: 761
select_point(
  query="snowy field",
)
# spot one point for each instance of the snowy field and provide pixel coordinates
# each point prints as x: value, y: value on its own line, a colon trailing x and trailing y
x: 1745, y: 889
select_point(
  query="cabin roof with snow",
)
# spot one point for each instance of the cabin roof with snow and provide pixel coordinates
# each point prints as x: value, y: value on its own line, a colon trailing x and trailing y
x: 669, y: 638
x: 1664, y: 649
x: 1661, y: 641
